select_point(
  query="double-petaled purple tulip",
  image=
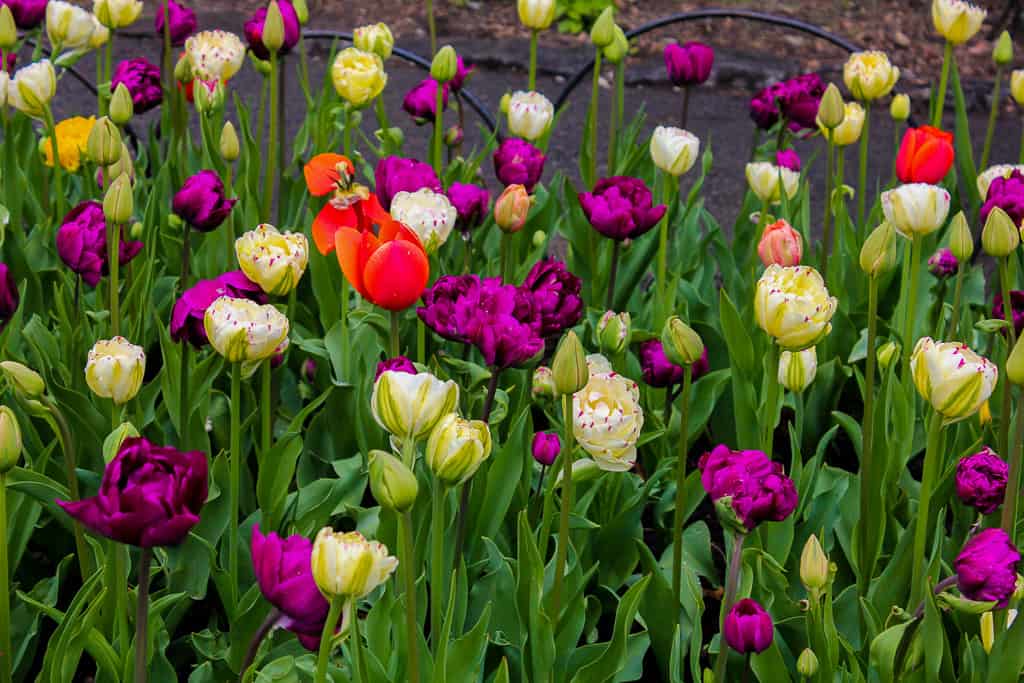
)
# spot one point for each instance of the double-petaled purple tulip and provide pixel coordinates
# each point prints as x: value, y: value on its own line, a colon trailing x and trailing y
x: 149, y: 496
x: 421, y: 102
x: 981, y: 480
x: 400, y: 174
x: 795, y: 100
x: 82, y: 243
x: 190, y: 309
x: 292, y: 30
x: 986, y: 568
x: 142, y: 78
x: 182, y: 21
x: 1008, y: 195
x: 620, y: 207
x: 657, y: 370
x: 471, y: 203
x: 748, y: 628
x: 688, y: 64
x: 517, y: 162
x: 556, y: 296
x: 942, y: 264
x: 396, y: 364
x: 201, y: 202
x: 545, y: 447
x: 285, y: 578
x: 9, y: 297
x: 1016, y: 309
x: 754, y: 486
x: 788, y: 158
x: 27, y: 13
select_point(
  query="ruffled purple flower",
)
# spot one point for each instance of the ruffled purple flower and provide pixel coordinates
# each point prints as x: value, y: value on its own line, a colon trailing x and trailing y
x: 27, y: 13
x: 396, y: 364
x: 755, y: 486
x: 942, y: 264
x: 986, y: 568
x: 657, y: 370
x: 182, y: 24
x: 9, y: 296
x: 400, y: 174
x: 556, y: 296
x: 142, y: 79
x: 545, y: 447
x: 517, y: 162
x: 471, y: 202
x: 201, y: 201
x: 1016, y: 306
x: 796, y: 100
x: 1008, y: 195
x: 421, y: 102
x: 82, y: 243
x: 981, y: 480
x: 254, y: 30
x: 190, y: 309
x: 748, y: 628
x: 688, y: 64
x: 788, y: 158
x: 620, y: 207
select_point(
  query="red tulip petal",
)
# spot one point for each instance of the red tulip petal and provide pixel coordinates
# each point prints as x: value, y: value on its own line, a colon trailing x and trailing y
x: 396, y: 275
x: 322, y: 172
x: 349, y: 244
x: 327, y: 223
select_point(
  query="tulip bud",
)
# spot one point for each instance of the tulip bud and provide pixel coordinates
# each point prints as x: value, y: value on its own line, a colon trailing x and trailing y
x: 445, y: 64
x: 542, y: 386
x: 899, y: 108
x: 456, y: 448
x: 23, y: 379
x: 813, y: 566
x: 878, y: 255
x: 123, y: 166
x: 375, y: 38
x: 1002, y: 54
x: 1015, y: 363
x: 301, y: 11
x: 613, y: 330
x: 10, y: 438
x: 569, y: 366
x: 539, y: 238
x: 209, y: 96
x: 987, y: 629
x: 545, y: 448
x: 619, y: 47
x: 273, y: 28
x: 229, y: 147
x: 887, y: 354
x: 183, y: 70
x: 807, y: 663
x: 503, y: 103
x: 8, y: 30
x: 832, y: 110
x: 393, y: 484
x: 797, y: 369
x: 118, y: 202
x: 999, y: 237
x: 453, y: 136
x: 603, y: 31
x: 681, y: 343
x: 536, y: 14
x: 135, y: 232
x: 512, y: 208
x: 122, y: 109
x: 104, y: 143
x: 1017, y: 86
x: 961, y: 243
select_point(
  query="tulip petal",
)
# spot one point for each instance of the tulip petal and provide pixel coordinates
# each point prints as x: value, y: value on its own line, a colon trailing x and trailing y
x: 322, y: 172
x: 353, y: 250
x: 327, y: 223
x: 397, y: 273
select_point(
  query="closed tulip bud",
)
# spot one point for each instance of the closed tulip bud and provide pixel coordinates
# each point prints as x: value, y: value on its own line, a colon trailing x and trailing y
x: 512, y: 208
x: 347, y: 565
x: 23, y: 379
x: 569, y: 366
x: 229, y: 147
x: 807, y: 663
x: 445, y: 64
x: 273, y: 28
x: 10, y: 439
x: 878, y: 255
x: 961, y: 243
x: 619, y: 47
x: 456, y: 448
x: 847, y: 132
x: 103, y: 145
x: 987, y: 631
x: 797, y: 369
x: 869, y: 75
x: 121, y: 107
x: 680, y: 342
x: 542, y: 386
x: 539, y: 238
x: 1015, y: 363
x: 831, y: 111
x: 1000, y: 236
x: 393, y: 484
x: 118, y: 202
x: 183, y: 70
x: 887, y: 354
x: 8, y: 30
x: 1017, y: 86
x: 453, y: 136
x: 123, y: 166
x: 301, y: 11
x: 1002, y: 54
x: 813, y: 566
x: 613, y: 330
x: 899, y: 108
x: 536, y: 15
x: 115, y: 369
x: 603, y: 31
x: 504, y: 102
x: 135, y: 232
x: 375, y: 38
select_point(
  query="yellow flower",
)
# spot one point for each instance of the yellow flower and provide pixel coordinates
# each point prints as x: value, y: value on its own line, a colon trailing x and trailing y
x: 358, y: 76
x: 674, y: 150
x: 768, y: 181
x: 529, y: 114
x: 375, y: 38
x: 273, y: 260
x: 347, y: 565
x: 409, y: 406
x: 847, y: 132
x: 916, y: 209
x: 429, y: 214
x: 215, y: 55
x: 955, y: 380
x: 869, y: 75
x: 100, y: 34
x: 793, y: 306
x: 456, y: 448
x: 117, y: 13
x: 798, y: 368
x: 1017, y: 86
x: 115, y: 369
x: 607, y: 417
x: 244, y: 331
x: 536, y: 14
x: 32, y: 88
x: 72, y: 134
x: 955, y: 20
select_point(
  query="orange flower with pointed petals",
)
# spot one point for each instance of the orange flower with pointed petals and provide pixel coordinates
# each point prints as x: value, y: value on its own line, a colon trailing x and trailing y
x: 389, y: 270
x: 351, y: 206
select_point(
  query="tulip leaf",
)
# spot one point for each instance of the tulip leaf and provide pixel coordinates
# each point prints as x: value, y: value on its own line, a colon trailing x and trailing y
x: 769, y: 667
x: 613, y: 658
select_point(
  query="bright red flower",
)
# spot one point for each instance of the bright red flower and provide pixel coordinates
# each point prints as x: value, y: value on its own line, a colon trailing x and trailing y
x: 925, y: 156
x: 352, y: 206
x: 389, y: 270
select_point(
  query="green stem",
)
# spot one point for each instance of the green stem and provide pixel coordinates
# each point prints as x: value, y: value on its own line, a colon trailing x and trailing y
x: 266, y: 403
x: 929, y: 479
x: 908, y: 321
x: 5, y: 596
x: 684, y: 115
x: 532, y: 82
x: 940, y: 103
x: 272, y: 147
x: 862, y: 181
x: 119, y: 591
x: 771, y: 403
x: 108, y: 53
x: 421, y: 341
x: 407, y: 566
x: 346, y: 351
x: 438, y: 132
x: 327, y: 638
x: 993, y: 112
x: 732, y: 582
x: 58, y: 171
x: 67, y: 443
x: 826, y: 244
x: 610, y: 296
x: 562, y: 550
x: 616, y: 118
x: 1004, y: 418
x: 954, y: 321
x: 184, y: 400
x: 437, y: 572
x: 395, y: 347
x: 662, y: 283
x: 677, y: 524
x: 503, y: 256
x: 234, y: 482
x: 114, y: 263
x: 867, y: 491
x: 142, y: 617
x: 381, y: 112
x: 1011, y: 505
x: 432, y: 27
x: 357, y: 647
x: 592, y: 118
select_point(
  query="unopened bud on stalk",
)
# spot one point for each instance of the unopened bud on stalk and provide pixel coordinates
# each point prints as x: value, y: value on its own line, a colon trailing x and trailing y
x: 8, y: 30
x: 1015, y: 363
x: 1002, y: 54
x: 503, y: 103
x: 23, y: 379
x: 1000, y: 236
x: 445, y: 64
x: 104, y: 142
x: 539, y: 238
x: 569, y: 367
x: 961, y: 243
x: 878, y: 255
x: 887, y: 354
x: 453, y: 136
x: 10, y: 439
x: 619, y: 47
x: 118, y: 202
x: 229, y: 147
x: 899, y: 108
x: 122, y: 109
x: 603, y: 32
x: 301, y: 11
x: 543, y: 385
x: 393, y: 484
x: 135, y: 232
x: 813, y: 566
x: 273, y: 27
x: 123, y: 166
x: 807, y: 663
x: 832, y: 110
x: 613, y: 330
x: 680, y: 342
x: 183, y: 70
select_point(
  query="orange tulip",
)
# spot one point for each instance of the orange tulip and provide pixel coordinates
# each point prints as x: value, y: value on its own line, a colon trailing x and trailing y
x: 352, y: 206
x: 389, y: 270
x: 925, y: 156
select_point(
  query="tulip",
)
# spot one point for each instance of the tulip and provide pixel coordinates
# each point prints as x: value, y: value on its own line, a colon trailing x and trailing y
x: 1017, y: 86
x: 27, y: 14
x: 814, y: 569
x: 917, y: 209
x: 228, y: 143
x: 682, y: 344
x: 542, y: 383
x: 768, y: 181
x: 285, y: 577
x: 429, y: 214
x: 986, y: 567
x: 26, y: 382
x: 189, y: 310
x: 961, y: 243
x: 393, y: 484
x: 512, y: 208
x: 375, y: 38
x: 421, y: 101
x: 986, y: 177
x: 274, y: 260
x: 688, y: 64
x: 444, y: 64
x: 1000, y: 237
x: 358, y: 76
x: 471, y: 204
x: 602, y: 33
x: 780, y: 244
x: 396, y: 364
x: 955, y: 20
x: 244, y: 331
x: 32, y: 88
x: 747, y: 486
x: 925, y: 155
x: 215, y: 55
x: 121, y: 108
x: 748, y: 628
x: 115, y: 369
x: 389, y: 269
x: 570, y: 369
x: 287, y: 28
x: 657, y: 370
x: 116, y: 14
x: 397, y: 174
x: 621, y: 207
x: 408, y: 406
x: 82, y: 243
x: 456, y: 449
x: 942, y: 264
x: 201, y: 201
x: 795, y: 100
x: 100, y: 34
x: 555, y: 293
x: 10, y: 440
x: 1007, y: 193
x: 793, y: 306
x: 899, y: 108
x: 72, y: 139
x: 529, y: 115
x: 878, y: 254
x: 831, y: 111
x: 608, y: 419
x: 849, y: 130
x: 613, y: 332
x: 182, y: 21
x: 517, y: 162
x: 674, y: 150
x: 462, y: 74
x: 617, y: 50
x: 347, y: 565
x: 797, y: 369
x: 118, y: 201
x: 981, y: 480
x: 545, y: 448
x: 955, y: 380
x: 869, y: 75
x: 9, y: 297
x: 536, y: 15
x: 142, y: 80
x: 68, y: 26
x: 807, y: 663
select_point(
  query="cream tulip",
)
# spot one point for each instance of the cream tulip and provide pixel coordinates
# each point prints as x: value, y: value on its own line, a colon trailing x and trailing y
x: 215, y: 55
x: 870, y: 75
x: 529, y: 114
x: 955, y: 380
x: 607, y: 417
x: 768, y: 181
x: 375, y: 38
x: 68, y: 26
x: 117, y: 13
x: 674, y: 150
x: 793, y: 306
x: 429, y: 214
x: 536, y: 14
x: 955, y: 20
x: 244, y: 331
x: 32, y: 88
x: 409, y: 406
x: 456, y: 448
x: 916, y: 209
x: 272, y: 259
x: 115, y: 369
x: 349, y: 566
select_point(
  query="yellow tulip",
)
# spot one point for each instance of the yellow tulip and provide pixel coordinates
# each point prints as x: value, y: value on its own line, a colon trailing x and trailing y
x: 797, y: 369
x: 869, y: 75
x: 273, y: 260
x: 68, y: 26
x: 1017, y: 86
x: 72, y: 136
x: 793, y: 306
x: 347, y: 565
x: 375, y: 38
x: 115, y: 369
x: 358, y: 76
x: 769, y: 181
x: 117, y: 13
x: 955, y: 20
x: 32, y: 88
x: 456, y: 448
x: 847, y: 132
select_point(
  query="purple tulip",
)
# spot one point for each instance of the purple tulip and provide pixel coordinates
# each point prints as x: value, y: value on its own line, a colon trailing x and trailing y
x: 254, y: 30
x: 142, y: 80
x: 748, y: 628
x: 981, y: 480
x: 27, y: 13
x: 688, y: 64
x: 82, y: 243
x: 462, y: 72
x: 658, y: 371
x: 471, y: 202
x: 183, y: 21
x: 1008, y: 195
x: 190, y: 309
x: 9, y: 296
x: 201, y: 202
x: 1016, y: 305
x: 788, y: 158
x: 556, y: 296
x: 149, y: 496
x: 621, y: 208
x: 309, y: 370
x: 396, y: 364
x: 398, y: 174
x: 545, y: 447
x: 755, y: 486
x: 517, y: 162
x: 283, y: 572
x: 796, y: 100
x: 986, y: 568
x: 943, y: 264
x: 421, y: 102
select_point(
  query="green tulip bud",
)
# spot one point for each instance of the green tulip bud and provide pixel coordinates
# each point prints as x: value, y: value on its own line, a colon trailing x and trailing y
x: 1015, y: 363
x: 209, y: 97
x: 10, y: 438
x: 832, y: 110
x: 23, y: 379
x: 1000, y: 236
x: 8, y: 30
x: 681, y: 343
x: 569, y: 367
x: 899, y: 108
x: 229, y: 147
x: 445, y: 64
x: 797, y: 369
x: 887, y: 354
x: 807, y: 663
x: 453, y: 136
x: 112, y: 444
x: 119, y: 203
x: 961, y: 243
x: 393, y: 484
x: 603, y: 31
x: 542, y: 385
x: 1002, y: 54
x: 123, y: 166
x: 539, y: 238
x: 619, y: 47
x: 504, y: 102
x: 613, y: 331
x: 878, y: 255
x: 273, y: 28
x: 301, y: 11
x: 813, y: 566
x: 104, y: 144
x: 122, y: 109
x: 183, y: 70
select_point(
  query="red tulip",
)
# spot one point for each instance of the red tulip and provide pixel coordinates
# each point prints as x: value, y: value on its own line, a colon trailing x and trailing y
x: 389, y: 270
x: 925, y: 156
x: 351, y: 206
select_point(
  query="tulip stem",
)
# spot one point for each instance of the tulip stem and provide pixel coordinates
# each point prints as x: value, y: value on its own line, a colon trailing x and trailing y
x: 327, y: 638
x: 272, y: 147
x: 862, y: 179
x: 684, y: 116
x: 940, y: 102
x: 992, y: 114
x: 235, y: 476
x: 610, y: 297
x: 677, y: 524
x: 592, y: 118
x: 438, y: 132
x: 432, y: 27
x: 5, y: 596
x: 826, y: 245
x: 346, y: 351
x: 266, y: 422
x: 563, y: 527
x: 506, y: 237
x: 732, y: 582
x: 67, y: 443
x: 929, y: 478
x: 532, y: 83
x: 867, y: 489
x: 1011, y: 505
x: 395, y: 347
x: 771, y: 402
x: 954, y: 321
x: 408, y: 568
x: 485, y: 417
x: 142, y: 616
x: 113, y: 262
x: 257, y: 639
x: 616, y: 117
x: 184, y: 405
x: 1011, y: 332
x: 356, y: 642
x: 118, y: 592
x: 437, y: 572
x: 661, y: 286
x: 908, y: 321
x: 58, y: 172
